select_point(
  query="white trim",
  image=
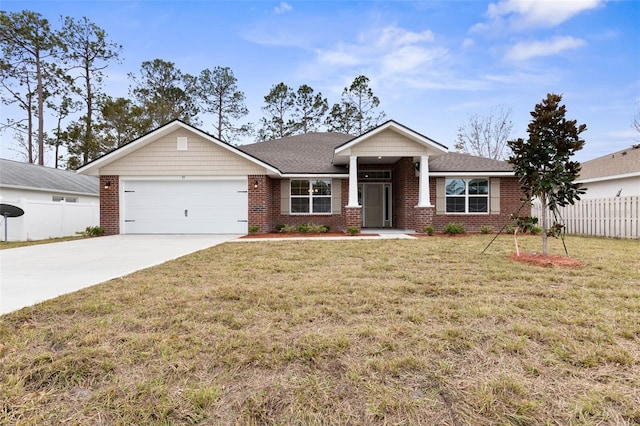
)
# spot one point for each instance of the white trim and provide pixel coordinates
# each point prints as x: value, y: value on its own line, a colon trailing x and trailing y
x: 472, y: 174
x: 606, y: 178
x: 416, y: 137
x: 314, y: 176
x: 57, y: 191
x: 93, y: 167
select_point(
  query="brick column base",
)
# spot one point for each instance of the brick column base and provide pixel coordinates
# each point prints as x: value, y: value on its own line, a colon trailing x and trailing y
x: 353, y: 217
x: 424, y: 217
x: 110, y: 204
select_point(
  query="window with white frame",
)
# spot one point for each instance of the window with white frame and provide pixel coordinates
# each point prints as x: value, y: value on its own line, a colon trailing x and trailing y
x: 467, y: 195
x: 310, y: 196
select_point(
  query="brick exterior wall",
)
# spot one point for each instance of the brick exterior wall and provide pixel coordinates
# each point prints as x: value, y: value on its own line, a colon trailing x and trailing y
x: 510, y: 202
x: 354, y: 217
x: 260, y: 198
x: 404, y: 186
x: 110, y: 204
x: 336, y: 222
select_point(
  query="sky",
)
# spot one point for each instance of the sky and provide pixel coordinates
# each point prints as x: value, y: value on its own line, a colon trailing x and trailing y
x: 433, y: 64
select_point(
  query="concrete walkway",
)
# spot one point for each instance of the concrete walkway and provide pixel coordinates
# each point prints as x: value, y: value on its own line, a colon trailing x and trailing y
x: 32, y: 274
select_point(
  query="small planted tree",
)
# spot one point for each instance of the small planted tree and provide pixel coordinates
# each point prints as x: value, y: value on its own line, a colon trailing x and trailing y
x: 543, y: 163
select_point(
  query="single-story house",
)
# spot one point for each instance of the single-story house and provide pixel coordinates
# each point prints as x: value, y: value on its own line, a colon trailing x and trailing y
x: 179, y: 179
x: 612, y: 175
x: 56, y: 203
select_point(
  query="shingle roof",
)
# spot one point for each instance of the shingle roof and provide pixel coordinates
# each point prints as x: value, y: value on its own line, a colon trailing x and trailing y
x: 618, y: 163
x: 457, y: 162
x: 306, y: 153
x: 313, y: 153
x: 26, y: 175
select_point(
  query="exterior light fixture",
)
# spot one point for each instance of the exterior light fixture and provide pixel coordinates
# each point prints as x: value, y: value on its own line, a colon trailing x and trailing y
x: 107, y: 185
x: 255, y: 184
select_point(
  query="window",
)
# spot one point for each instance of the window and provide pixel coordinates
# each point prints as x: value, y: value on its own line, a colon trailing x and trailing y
x: 71, y: 199
x: 374, y: 174
x: 60, y: 198
x: 310, y: 196
x: 467, y: 195
x: 57, y: 198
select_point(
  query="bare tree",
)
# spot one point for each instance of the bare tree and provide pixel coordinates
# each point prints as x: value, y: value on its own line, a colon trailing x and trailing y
x: 486, y: 136
x: 636, y: 122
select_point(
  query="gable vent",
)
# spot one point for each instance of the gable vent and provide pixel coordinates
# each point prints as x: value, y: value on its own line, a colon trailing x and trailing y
x: 182, y: 143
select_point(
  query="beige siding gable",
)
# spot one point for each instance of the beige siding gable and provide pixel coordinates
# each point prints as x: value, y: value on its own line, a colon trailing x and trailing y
x: 389, y: 143
x: 200, y: 158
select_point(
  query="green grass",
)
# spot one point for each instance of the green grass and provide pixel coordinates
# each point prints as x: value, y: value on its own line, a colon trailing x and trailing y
x: 425, y: 331
x: 15, y: 244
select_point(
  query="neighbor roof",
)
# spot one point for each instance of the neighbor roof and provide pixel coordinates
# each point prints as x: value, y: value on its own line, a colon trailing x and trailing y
x: 306, y: 153
x: 457, y: 162
x: 14, y: 174
x: 624, y: 162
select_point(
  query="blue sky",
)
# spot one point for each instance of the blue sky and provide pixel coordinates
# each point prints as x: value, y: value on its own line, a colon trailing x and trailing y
x: 432, y: 63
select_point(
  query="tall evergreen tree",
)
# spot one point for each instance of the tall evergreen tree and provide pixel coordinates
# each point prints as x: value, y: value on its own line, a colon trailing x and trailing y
x: 28, y: 48
x: 310, y: 110
x: 543, y: 162
x: 357, y: 111
x: 87, y: 52
x: 279, y: 105
x: 219, y: 96
x: 164, y: 93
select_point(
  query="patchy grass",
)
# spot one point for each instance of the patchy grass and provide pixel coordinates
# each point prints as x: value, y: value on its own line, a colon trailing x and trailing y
x: 424, y: 331
x: 16, y: 244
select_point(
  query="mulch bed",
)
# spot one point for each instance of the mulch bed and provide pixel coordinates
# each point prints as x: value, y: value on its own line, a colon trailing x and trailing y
x: 304, y: 235
x: 546, y: 261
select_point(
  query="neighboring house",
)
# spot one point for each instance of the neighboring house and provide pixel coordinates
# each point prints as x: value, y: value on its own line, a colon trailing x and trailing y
x: 612, y: 175
x: 56, y: 202
x: 179, y: 179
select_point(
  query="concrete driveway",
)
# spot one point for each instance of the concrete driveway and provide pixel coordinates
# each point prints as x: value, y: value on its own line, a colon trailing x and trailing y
x: 29, y: 275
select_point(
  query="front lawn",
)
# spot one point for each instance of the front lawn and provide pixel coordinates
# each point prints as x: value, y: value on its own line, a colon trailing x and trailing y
x: 424, y: 331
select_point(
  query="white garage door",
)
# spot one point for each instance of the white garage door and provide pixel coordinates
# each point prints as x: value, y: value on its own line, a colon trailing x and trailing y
x: 185, y: 207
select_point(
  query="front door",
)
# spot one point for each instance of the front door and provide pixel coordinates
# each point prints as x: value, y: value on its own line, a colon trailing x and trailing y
x: 376, y: 205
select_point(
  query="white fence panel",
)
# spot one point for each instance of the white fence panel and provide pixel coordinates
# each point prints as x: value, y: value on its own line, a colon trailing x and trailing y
x: 48, y: 219
x: 617, y: 217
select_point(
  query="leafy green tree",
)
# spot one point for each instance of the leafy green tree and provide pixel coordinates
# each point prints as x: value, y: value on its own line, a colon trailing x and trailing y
x: 309, y: 110
x: 29, y: 48
x: 279, y: 104
x: 486, y: 136
x: 87, y: 53
x: 219, y: 96
x: 357, y: 111
x: 543, y: 162
x: 164, y: 93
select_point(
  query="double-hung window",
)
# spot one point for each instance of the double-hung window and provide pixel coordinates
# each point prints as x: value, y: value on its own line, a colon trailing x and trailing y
x: 310, y: 196
x: 467, y: 195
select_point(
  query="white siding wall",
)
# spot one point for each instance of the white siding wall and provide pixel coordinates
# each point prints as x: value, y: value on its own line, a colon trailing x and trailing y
x: 610, y: 188
x: 201, y: 158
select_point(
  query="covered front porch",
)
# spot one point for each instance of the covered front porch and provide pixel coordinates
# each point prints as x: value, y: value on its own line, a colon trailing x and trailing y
x: 389, y: 184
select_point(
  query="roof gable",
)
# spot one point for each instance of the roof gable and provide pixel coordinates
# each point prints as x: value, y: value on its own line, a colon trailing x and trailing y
x: 389, y: 139
x: 94, y: 167
x: 14, y: 174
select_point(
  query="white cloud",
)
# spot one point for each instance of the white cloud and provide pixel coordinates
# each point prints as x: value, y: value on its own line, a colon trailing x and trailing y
x: 283, y: 7
x: 532, y: 49
x: 525, y: 14
x: 467, y: 43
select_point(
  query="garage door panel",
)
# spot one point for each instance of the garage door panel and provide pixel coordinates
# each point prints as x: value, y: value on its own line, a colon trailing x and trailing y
x: 185, y: 207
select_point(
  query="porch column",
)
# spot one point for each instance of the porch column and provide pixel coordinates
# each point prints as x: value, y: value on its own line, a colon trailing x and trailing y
x: 424, y: 195
x: 353, y: 182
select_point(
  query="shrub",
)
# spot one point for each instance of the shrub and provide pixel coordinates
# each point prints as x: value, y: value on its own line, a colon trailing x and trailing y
x: 303, y: 228
x: 454, y: 228
x: 253, y: 229
x: 428, y: 230
x: 486, y: 229
x: 290, y: 228
x: 92, y: 231
x: 280, y: 227
x: 317, y: 229
x: 352, y: 230
x: 535, y: 230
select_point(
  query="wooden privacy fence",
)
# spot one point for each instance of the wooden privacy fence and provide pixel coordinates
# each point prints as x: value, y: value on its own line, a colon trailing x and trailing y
x: 617, y: 217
